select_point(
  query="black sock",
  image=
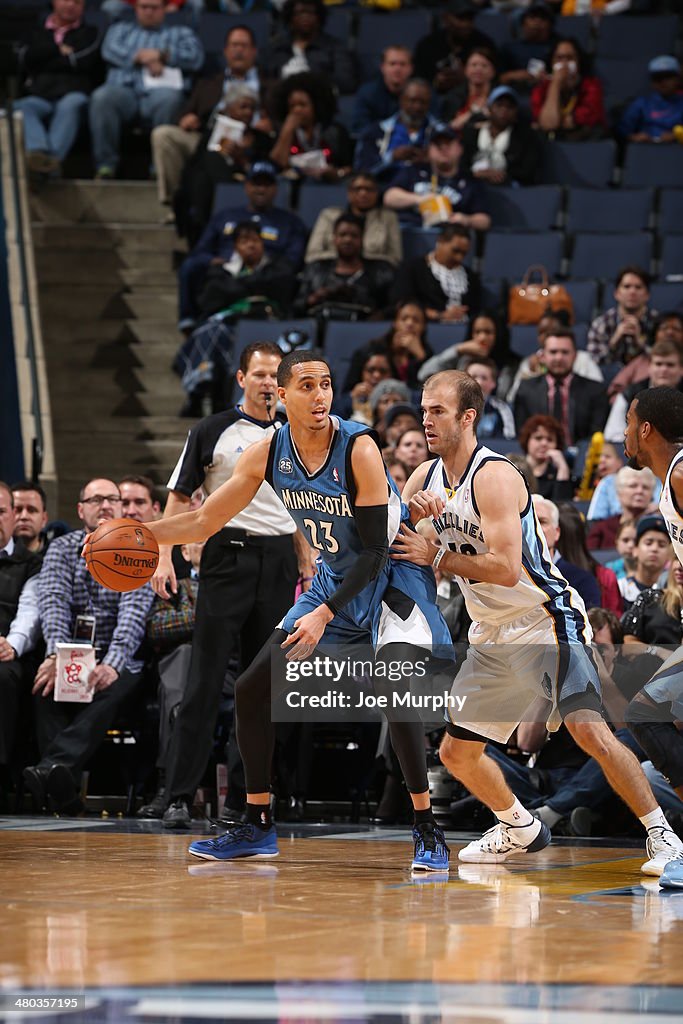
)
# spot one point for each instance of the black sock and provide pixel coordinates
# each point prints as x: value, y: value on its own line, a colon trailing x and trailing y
x: 259, y: 815
x: 424, y: 817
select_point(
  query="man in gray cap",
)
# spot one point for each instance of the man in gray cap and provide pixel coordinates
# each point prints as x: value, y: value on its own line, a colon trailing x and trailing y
x: 652, y: 118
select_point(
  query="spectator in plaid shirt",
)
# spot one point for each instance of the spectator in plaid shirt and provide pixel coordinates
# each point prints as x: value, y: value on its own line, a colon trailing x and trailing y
x: 619, y: 334
x: 69, y: 734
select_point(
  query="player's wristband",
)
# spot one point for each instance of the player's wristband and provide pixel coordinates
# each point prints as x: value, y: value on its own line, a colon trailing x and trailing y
x: 437, y: 558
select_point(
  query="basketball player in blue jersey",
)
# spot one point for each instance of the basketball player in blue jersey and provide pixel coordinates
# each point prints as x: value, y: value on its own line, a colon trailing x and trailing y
x: 529, y: 636
x: 329, y: 474
x: 654, y: 439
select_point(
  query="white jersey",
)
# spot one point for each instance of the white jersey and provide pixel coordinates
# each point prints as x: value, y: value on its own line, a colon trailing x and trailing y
x: 673, y: 517
x: 541, y: 585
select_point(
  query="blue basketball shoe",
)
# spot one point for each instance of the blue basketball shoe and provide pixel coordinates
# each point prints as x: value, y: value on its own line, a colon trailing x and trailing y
x: 672, y: 875
x: 431, y: 852
x: 238, y: 841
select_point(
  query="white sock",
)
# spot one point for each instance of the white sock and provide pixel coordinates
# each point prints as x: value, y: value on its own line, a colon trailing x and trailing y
x: 516, y: 815
x: 655, y: 819
x: 547, y: 815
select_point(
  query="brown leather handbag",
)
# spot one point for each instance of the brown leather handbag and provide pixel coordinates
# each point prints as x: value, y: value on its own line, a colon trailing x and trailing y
x: 529, y: 301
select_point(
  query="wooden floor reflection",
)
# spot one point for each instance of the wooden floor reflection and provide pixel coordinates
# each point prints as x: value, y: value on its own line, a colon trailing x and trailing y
x: 85, y: 910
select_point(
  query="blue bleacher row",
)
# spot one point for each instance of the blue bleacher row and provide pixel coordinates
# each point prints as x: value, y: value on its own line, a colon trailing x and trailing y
x: 621, y: 45
x: 584, y: 234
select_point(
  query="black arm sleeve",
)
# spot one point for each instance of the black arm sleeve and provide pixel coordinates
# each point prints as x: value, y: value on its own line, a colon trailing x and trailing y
x: 371, y: 521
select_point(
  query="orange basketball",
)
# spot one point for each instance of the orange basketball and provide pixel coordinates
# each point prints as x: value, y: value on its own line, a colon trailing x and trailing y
x: 122, y: 554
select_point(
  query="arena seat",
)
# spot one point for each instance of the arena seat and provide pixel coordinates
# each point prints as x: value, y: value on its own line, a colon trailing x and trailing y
x: 612, y: 210
x: 601, y: 256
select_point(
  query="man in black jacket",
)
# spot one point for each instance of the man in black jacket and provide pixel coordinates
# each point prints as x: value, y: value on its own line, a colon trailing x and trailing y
x: 62, y: 65
x: 19, y: 621
x: 249, y: 273
x: 579, y: 404
x: 439, y: 281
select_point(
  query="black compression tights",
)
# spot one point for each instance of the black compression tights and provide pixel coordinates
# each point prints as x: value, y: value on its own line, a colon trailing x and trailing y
x: 653, y: 727
x: 256, y: 733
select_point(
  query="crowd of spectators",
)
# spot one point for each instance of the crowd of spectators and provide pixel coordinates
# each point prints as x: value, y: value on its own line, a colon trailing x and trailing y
x: 410, y: 158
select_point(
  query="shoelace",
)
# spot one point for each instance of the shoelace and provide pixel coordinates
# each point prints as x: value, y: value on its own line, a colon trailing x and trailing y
x: 235, y: 835
x: 497, y: 839
x: 661, y: 837
x: 430, y: 837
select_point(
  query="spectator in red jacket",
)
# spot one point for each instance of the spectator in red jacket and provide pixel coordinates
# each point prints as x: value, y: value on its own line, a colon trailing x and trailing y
x: 568, y: 103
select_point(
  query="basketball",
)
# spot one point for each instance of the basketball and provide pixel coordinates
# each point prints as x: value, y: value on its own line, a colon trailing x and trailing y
x: 122, y: 554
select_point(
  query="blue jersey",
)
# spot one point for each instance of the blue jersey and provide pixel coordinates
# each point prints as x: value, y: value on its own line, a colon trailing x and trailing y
x: 322, y: 504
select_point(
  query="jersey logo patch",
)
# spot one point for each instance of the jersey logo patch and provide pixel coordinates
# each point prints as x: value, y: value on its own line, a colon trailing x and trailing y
x: 335, y: 475
x: 450, y: 492
x: 285, y: 466
x: 239, y: 449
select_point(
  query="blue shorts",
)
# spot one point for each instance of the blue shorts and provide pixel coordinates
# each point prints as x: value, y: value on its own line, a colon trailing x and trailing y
x: 397, y: 607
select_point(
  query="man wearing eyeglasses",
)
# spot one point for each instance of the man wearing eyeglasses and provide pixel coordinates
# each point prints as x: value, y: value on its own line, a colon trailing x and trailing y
x: 69, y: 734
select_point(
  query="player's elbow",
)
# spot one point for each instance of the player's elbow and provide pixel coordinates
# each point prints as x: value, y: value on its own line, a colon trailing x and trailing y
x: 510, y: 575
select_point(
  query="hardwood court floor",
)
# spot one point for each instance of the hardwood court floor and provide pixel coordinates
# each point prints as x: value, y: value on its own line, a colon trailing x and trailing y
x: 90, y: 909
x: 574, y: 927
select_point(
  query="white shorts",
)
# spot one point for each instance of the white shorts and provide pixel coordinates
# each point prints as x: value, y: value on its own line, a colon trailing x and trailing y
x: 510, y: 669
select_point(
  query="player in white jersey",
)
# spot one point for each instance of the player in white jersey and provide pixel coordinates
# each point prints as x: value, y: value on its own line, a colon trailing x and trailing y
x: 487, y: 536
x: 654, y: 439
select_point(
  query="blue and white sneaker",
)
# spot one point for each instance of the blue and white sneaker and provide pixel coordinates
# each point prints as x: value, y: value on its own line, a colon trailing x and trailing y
x: 431, y: 852
x: 238, y: 841
x: 672, y: 875
x: 503, y: 841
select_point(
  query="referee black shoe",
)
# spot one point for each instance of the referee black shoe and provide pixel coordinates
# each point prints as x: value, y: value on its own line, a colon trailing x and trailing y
x: 177, y: 815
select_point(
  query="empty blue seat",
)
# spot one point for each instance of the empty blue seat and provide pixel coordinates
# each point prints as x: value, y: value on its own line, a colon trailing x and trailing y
x: 231, y: 193
x: 523, y: 339
x: 249, y: 331
x: 671, y: 211
x: 339, y: 23
x: 584, y: 296
x: 503, y: 445
x: 491, y: 293
x: 672, y: 257
x: 622, y: 80
x: 524, y: 209
x: 496, y: 26
x: 578, y: 27
x: 665, y: 295
x: 442, y: 336
x: 609, y: 211
x: 653, y: 164
x: 344, y: 115
x: 602, y: 256
x: 377, y: 31
x: 343, y: 339
x: 584, y: 164
x: 580, y: 335
x: 314, y: 198
x: 509, y: 256
x: 214, y: 26
x: 636, y: 38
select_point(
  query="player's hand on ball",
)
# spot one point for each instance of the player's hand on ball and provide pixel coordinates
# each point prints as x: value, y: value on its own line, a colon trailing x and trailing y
x: 409, y: 546
x: 307, y: 633
x: 425, y: 505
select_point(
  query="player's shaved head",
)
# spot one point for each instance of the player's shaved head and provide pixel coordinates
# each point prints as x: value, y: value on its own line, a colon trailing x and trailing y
x: 292, y: 359
x: 464, y: 388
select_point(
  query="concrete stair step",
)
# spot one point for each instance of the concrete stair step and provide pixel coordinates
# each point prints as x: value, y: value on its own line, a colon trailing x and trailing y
x: 133, y: 333
x: 96, y: 202
x: 95, y: 302
x: 95, y: 385
x: 60, y: 263
x: 91, y: 408
x: 122, y: 238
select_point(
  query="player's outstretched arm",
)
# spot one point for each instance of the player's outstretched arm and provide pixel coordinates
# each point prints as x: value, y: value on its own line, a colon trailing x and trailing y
x: 501, y: 496
x: 221, y: 506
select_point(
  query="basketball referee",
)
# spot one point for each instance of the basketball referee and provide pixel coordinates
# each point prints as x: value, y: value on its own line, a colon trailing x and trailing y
x: 247, y: 576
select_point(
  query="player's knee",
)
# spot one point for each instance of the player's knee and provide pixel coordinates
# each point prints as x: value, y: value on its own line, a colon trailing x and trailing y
x: 459, y: 755
x: 639, y: 713
x: 593, y: 737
